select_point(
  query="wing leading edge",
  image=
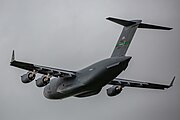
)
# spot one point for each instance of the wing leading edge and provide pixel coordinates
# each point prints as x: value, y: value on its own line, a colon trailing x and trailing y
x: 41, y: 69
x: 132, y: 83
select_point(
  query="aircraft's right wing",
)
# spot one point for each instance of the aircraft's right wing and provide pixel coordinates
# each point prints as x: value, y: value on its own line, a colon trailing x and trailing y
x: 41, y: 69
x: 132, y: 83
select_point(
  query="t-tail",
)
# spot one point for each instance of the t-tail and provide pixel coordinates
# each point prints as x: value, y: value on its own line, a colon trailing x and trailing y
x: 128, y: 33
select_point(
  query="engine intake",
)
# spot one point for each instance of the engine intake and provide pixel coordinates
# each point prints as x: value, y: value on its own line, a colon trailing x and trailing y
x: 114, y: 90
x: 43, y: 81
x: 28, y: 77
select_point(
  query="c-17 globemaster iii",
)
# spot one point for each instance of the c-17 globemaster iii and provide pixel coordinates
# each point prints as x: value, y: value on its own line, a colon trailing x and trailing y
x: 90, y: 80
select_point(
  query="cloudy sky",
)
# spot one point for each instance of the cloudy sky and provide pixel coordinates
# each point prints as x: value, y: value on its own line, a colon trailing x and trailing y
x: 72, y: 34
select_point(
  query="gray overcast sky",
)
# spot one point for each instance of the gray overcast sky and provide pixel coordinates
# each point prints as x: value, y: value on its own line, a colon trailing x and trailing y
x: 72, y: 34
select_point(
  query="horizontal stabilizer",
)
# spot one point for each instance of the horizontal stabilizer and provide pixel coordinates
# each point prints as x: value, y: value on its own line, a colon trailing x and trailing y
x: 121, y: 22
x: 148, y: 26
x: 127, y: 23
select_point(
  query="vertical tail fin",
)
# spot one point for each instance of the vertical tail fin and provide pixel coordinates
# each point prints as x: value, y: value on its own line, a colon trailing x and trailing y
x: 128, y: 32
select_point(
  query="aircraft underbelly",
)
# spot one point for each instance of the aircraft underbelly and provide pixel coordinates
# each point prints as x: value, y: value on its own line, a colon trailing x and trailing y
x: 62, y: 88
x: 88, y: 93
x: 106, y: 76
x: 85, y: 84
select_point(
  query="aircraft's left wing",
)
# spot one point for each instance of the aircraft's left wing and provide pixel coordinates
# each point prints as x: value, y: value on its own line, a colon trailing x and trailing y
x: 133, y: 83
x: 42, y: 69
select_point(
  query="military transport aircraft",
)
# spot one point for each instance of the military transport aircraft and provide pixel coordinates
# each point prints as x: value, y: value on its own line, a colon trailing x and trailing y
x: 90, y: 80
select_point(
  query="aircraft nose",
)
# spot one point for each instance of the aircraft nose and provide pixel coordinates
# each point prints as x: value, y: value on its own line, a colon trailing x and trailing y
x: 49, y: 94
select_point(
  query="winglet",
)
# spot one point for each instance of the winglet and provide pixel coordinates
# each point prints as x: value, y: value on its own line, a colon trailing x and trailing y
x: 13, y: 57
x: 171, y: 84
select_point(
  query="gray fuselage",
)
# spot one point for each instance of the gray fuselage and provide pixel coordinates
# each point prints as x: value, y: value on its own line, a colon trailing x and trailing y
x: 88, y: 81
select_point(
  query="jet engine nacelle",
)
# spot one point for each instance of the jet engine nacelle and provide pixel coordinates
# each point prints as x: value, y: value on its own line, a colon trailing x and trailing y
x: 28, y: 77
x: 114, y: 90
x: 43, y: 81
